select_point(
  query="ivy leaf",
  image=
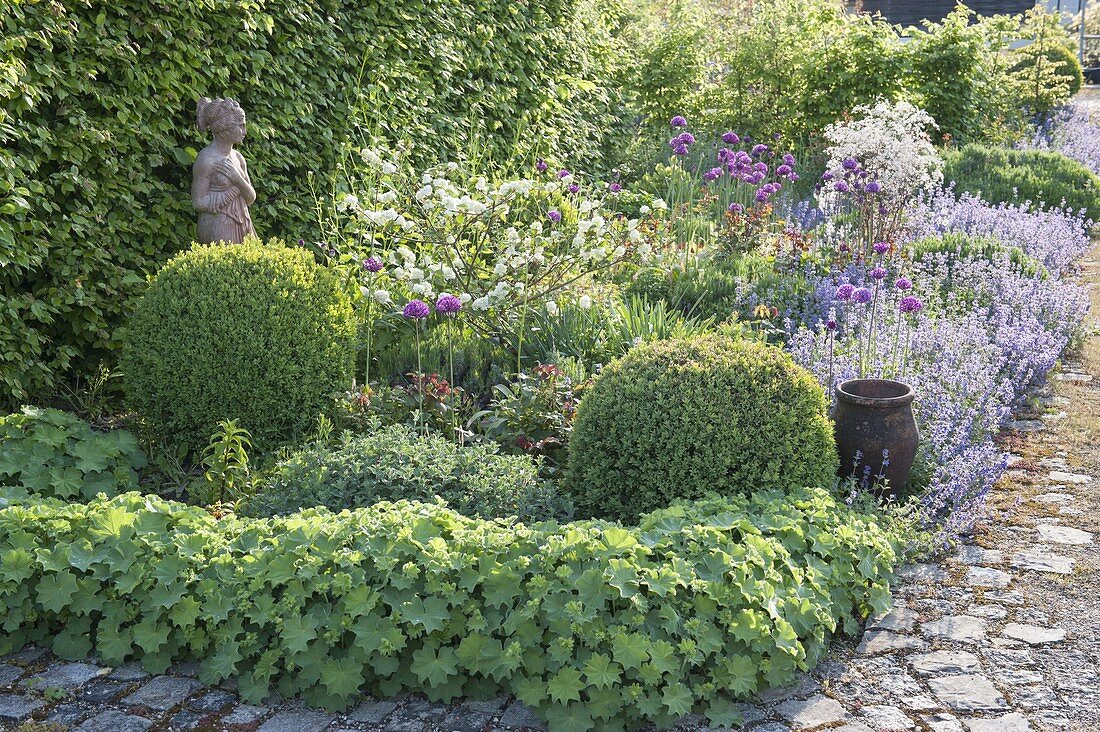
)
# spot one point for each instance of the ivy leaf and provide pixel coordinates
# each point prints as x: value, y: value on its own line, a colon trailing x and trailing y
x: 566, y: 685
x: 434, y: 668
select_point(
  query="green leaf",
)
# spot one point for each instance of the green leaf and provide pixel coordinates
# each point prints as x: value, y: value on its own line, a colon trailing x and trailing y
x: 55, y: 590
x: 298, y: 631
x: 434, y: 667
x: 566, y: 685
x: 630, y: 649
x: 677, y: 699
x: 602, y: 672
x: 342, y: 677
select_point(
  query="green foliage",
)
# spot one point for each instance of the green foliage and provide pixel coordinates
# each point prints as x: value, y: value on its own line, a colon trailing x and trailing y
x: 593, y: 624
x: 533, y: 414
x: 97, y: 128
x: 256, y: 333
x: 1047, y: 71
x: 691, y: 418
x: 56, y: 454
x: 396, y: 462
x: 1037, y: 177
x: 227, y: 476
x: 963, y: 246
x: 479, y: 362
x: 1063, y: 63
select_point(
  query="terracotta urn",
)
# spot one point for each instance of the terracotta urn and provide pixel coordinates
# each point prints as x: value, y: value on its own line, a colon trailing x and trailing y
x: 874, y: 420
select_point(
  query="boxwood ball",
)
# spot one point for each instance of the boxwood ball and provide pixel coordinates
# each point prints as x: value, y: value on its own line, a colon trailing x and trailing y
x: 687, y: 418
x: 253, y: 332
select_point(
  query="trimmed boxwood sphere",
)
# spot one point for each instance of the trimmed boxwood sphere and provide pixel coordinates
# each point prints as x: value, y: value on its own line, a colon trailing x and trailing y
x: 253, y: 332
x: 687, y: 418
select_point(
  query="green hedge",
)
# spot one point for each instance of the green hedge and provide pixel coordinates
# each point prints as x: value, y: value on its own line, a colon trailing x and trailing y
x: 1040, y: 177
x: 592, y: 624
x: 258, y: 333
x: 97, y: 130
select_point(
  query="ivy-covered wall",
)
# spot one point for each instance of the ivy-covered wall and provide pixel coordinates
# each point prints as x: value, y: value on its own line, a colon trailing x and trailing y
x: 97, y: 133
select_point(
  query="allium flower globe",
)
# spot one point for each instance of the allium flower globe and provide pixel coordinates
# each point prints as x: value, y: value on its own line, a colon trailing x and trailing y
x: 416, y: 310
x: 448, y: 305
x: 678, y: 121
x: 372, y: 264
x: 845, y: 291
x: 862, y: 295
x: 910, y: 304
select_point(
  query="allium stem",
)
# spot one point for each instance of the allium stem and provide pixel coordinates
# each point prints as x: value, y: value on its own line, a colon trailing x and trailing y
x: 420, y: 381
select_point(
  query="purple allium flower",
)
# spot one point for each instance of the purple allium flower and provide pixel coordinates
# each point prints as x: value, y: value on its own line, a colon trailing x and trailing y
x: 788, y: 159
x: 615, y: 188
x: 573, y: 188
x: 554, y: 215
x: 903, y: 283
x: 541, y: 166
x: 793, y: 177
x: 736, y: 208
x: 873, y: 187
x: 841, y: 186
x: 762, y: 196
x: 679, y: 150
x: 678, y: 121
x: 372, y: 264
x: 783, y: 170
x: 731, y: 138
x: 849, y: 164
x: 862, y: 295
x: 416, y: 310
x: 878, y: 273
x: 712, y: 174
x: 830, y: 324
x: 564, y: 173
x: 759, y: 149
x: 845, y: 291
x: 910, y: 304
x: 881, y: 247
x: 448, y: 305
x: 826, y: 176
x: 301, y: 242
x: 686, y: 138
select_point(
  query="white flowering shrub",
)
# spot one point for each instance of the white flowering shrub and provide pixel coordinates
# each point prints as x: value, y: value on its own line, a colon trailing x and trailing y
x: 499, y: 248
x: 890, y: 141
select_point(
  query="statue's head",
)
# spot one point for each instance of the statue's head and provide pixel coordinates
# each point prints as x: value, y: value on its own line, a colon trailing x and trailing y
x: 219, y: 116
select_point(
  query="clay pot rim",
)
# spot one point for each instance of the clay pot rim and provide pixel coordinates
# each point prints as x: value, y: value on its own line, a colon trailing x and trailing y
x: 905, y: 398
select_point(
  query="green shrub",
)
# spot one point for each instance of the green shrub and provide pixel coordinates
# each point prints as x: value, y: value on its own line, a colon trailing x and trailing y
x: 395, y: 463
x: 690, y: 418
x: 1015, y: 176
x: 97, y: 128
x: 256, y: 333
x: 53, y: 453
x: 1063, y: 62
x: 590, y: 623
x: 963, y: 246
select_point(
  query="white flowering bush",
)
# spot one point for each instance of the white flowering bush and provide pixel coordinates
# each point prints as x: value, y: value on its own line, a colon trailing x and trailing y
x: 499, y: 248
x: 890, y: 141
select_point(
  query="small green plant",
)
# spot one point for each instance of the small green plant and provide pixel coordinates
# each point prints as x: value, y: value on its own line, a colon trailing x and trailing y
x: 54, y: 453
x: 397, y: 462
x: 227, y: 478
x: 534, y: 414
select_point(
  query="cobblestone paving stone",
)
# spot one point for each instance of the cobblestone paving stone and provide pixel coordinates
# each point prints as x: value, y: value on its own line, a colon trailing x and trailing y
x: 1002, y: 635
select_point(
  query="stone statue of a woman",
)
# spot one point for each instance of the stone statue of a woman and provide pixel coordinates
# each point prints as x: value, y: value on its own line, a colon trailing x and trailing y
x: 221, y: 190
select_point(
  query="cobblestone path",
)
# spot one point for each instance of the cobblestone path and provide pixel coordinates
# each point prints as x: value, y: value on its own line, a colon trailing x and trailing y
x: 1003, y: 635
